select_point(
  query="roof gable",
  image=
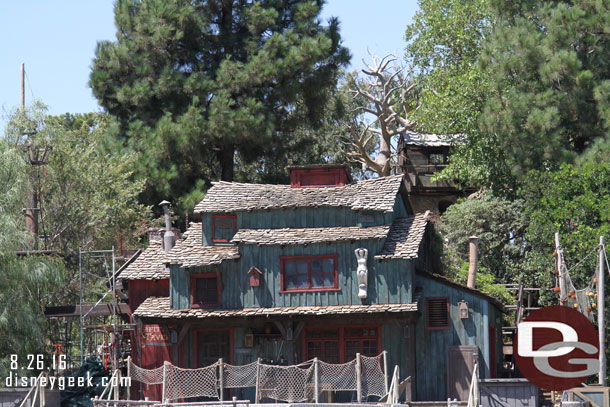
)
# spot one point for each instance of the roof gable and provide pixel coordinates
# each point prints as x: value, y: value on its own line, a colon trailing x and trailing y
x: 377, y: 194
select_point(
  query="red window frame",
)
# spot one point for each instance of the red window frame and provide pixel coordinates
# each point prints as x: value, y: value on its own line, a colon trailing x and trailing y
x: 341, y: 340
x: 194, y: 278
x: 437, y: 328
x: 214, y: 217
x: 284, y: 259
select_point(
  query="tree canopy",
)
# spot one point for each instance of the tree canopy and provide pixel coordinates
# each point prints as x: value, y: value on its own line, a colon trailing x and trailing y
x: 193, y: 82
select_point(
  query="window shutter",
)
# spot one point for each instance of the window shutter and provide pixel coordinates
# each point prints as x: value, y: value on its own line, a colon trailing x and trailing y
x: 437, y: 313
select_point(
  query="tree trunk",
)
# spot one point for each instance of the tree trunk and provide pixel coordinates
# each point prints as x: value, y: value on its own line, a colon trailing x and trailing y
x: 384, y: 156
x: 225, y: 157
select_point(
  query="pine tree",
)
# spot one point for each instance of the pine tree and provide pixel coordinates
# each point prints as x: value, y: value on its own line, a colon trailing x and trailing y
x: 550, y: 95
x: 193, y: 82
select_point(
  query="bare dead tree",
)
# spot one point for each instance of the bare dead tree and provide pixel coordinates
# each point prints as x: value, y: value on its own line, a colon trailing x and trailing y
x: 383, y: 113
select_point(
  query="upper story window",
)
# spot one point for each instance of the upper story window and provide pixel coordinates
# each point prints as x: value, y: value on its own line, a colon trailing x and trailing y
x: 309, y: 273
x: 437, y: 159
x: 205, y: 290
x: 223, y: 228
x: 437, y: 313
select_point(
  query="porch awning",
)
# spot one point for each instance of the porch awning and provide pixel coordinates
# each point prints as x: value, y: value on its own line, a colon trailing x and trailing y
x: 159, y: 307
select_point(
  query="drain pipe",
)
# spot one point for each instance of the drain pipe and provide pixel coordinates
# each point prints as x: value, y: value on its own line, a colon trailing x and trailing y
x: 473, y: 261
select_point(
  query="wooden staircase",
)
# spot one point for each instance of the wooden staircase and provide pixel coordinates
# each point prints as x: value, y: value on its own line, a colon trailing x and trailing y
x: 525, y: 298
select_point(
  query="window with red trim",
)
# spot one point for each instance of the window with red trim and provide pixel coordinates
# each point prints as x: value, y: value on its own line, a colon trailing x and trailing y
x: 223, y: 228
x: 309, y: 273
x: 437, y: 313
x: 205, y: 290
x: 340, y: 345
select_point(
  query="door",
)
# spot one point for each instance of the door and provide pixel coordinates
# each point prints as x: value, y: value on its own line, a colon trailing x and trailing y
x: 211, y: 345
x: 460, y: 365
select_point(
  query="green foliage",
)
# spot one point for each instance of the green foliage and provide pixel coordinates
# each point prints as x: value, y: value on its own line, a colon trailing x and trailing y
x: 499, y: 224
x: 444, y: 43
x: 191, y: 83
x: 87, y: 196
x: 574, y: 201
x: 24, y: 281
x: 549, y: 75
x: 457, y: 270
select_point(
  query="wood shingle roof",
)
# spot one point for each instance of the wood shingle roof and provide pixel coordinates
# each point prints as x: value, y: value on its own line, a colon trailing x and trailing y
x: 378, y: 194
x: 290, y: 236
x: 150, y: 264
x: 404, y: 238
x: 159, y: 307
x: 190, y: 252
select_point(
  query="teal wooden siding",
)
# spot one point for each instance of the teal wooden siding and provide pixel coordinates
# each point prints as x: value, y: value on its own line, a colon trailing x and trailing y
x: 389, y: 281
x: 431, y: 345
x: 307, y: 218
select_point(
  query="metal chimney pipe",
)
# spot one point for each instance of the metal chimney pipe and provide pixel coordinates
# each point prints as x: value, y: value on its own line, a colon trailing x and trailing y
x: 473, y: 261
x: 169, y: 239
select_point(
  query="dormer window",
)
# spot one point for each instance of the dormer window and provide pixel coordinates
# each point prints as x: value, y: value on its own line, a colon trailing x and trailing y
x: 205, y: 290
x: 223, y: 228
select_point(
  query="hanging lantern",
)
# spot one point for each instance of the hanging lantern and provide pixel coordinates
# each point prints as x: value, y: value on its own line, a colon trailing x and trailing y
x: 463, y: 309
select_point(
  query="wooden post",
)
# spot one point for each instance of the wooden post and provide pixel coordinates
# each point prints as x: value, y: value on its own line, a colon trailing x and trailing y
x: 316, y: 380
x: 258, y: 381
x: 129, y: 375
x: 600, y: 314
x: 358, y: 377
x: 23, y: 86
x: 221, y: 378
x: 562, y: 285
x: 164, y: 384
x: 42, y: 395
x: 385, y: 369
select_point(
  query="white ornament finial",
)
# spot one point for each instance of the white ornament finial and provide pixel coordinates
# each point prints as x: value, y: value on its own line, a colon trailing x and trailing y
x: 362, y: 271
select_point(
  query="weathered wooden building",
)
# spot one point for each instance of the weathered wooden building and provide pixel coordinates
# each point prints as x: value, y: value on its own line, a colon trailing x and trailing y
x: 324, y: 267
x: 420, y: 158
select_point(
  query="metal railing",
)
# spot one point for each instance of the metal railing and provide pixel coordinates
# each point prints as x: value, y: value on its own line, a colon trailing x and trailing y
x: 36, y: 393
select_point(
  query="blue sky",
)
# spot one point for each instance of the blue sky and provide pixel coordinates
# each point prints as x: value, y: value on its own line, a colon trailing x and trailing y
x: 56, y: 40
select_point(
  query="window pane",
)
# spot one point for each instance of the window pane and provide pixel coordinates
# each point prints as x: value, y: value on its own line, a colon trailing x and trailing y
x: 351, y: 348
x: 331, y: 333
x: 353, y: 332
x: 331, y: 352
x: 316, y: 267
x: 317, y: 280
x: 329, y: 265
x: 206, y: 290
x: 303, y: 274
x: 290, y: 267
x: 302, y: 267
x: 314, y: 350
x: 223, y: 228
x: 303, y: 281
x: 369, y: 348
x: 290, y: 282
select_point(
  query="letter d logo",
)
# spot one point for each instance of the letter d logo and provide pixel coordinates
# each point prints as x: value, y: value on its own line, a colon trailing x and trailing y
x: 556, y: 348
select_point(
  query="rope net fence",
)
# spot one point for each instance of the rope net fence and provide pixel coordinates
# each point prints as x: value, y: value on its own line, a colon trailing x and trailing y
x: 294, y: 383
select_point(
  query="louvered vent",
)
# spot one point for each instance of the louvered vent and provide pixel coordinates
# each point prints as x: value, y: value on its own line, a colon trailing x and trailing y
x: 437, y: 313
